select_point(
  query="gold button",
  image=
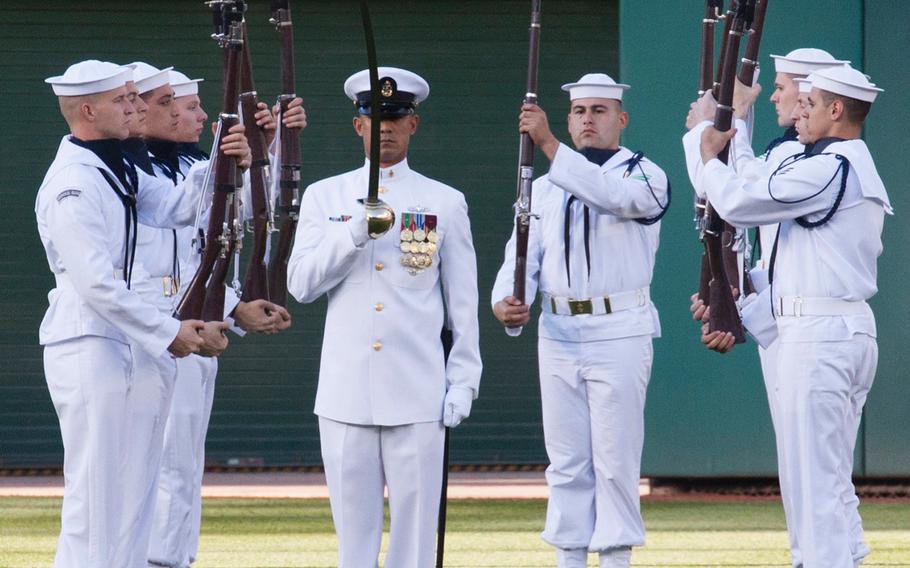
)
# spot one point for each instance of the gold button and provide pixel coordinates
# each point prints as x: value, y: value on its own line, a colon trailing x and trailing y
x: 380, y: 266
x: 377, y: 346
x: 391, y: 173
x: 382, y: 189
x: 379, y: 306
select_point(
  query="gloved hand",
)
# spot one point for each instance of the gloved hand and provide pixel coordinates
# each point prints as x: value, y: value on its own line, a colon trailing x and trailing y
x: 457, y: 406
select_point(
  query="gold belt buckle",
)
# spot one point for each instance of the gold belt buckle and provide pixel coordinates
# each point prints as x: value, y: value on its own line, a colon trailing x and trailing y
x: 579, y: 307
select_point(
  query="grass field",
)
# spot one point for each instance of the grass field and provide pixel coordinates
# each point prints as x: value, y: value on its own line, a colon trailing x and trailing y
x: 298, y: 533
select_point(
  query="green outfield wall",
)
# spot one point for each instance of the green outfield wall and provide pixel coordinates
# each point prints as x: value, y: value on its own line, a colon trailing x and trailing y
x: 707, y: 415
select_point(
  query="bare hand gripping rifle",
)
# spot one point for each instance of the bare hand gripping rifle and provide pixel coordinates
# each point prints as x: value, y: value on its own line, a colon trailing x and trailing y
x: 380, y: 217
x: 256, y: 281
x: 289, y: 152
x: 526, y: 162
x: 204, y: 297
x: 724, y: 315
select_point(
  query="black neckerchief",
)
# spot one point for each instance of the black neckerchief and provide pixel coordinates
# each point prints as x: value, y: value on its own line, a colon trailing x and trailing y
x: 597, y: 155
x: 600, y: 157
x: 164, y: 154
x: 788, y: 135
x: 191, y: 150
x: 137, y: 153
x: 821, y: 144
x: 110, y: 152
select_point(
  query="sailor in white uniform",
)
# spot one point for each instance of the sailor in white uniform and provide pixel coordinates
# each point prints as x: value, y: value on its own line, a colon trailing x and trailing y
x: 385, y: 391
x: 759, y: 322
x: 175, y: 155
x: 591, y: 256
x: 830, y: 203
x: 110, y: 415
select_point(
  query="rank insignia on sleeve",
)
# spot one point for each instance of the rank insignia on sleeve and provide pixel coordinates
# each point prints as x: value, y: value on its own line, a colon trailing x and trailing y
x: 418, y: 241
x: 69, y: 192
x: 340, y: 219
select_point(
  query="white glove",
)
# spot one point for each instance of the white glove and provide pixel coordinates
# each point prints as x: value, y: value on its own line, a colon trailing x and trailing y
x: 457, y: 406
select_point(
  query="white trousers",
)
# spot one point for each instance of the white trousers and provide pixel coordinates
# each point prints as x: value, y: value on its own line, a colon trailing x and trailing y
x: 593, y: 398
x: 768, y: 359
x: 178, y: 512
x: 359, y: 462
x: 112, y: 402
x: 821, y: 390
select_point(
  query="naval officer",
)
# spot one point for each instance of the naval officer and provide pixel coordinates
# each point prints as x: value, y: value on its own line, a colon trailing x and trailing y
x: 830, y: 204
x: 385, y: 391
x: 591, y: 256
x: 87, y: 210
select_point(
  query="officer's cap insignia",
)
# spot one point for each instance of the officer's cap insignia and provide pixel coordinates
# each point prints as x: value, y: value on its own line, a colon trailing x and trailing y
x: 388, y: 87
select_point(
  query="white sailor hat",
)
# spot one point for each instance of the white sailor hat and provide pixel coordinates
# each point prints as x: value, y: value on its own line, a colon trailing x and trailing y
x: 804, y: 61
x: 400, y: 91
x: 804, y: 85
x: 183, y: 85
x: 148, y: 78
x: 87, y: 78
x: 845, y: 81
x: 595, y: 85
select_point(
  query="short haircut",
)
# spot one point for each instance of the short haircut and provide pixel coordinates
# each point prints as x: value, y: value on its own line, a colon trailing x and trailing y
x: 854, y: 109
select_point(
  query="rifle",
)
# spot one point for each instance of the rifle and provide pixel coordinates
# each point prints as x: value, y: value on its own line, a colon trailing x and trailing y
x: 380, y: 217
x: 724, y: 316
x: 204, y: 297
x: 256, y: 281
x: 289, y: 152
x: 526, y: 162
x: 706, y: 83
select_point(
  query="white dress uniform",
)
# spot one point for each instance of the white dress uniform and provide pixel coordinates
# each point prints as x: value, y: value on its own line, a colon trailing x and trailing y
x: 111, y: 415
x: 382, y: 376
x: 823, y: 273
x: 756, y: 317
x: 594, y: 367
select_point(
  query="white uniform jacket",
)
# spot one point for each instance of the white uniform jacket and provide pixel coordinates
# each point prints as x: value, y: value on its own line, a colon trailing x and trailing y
x: 622, y: 250
x: 81, y: 224
x: 836, y: 260
x: 382, y: 360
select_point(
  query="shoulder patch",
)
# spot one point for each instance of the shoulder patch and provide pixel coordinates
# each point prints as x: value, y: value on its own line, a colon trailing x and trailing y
x: 68, y: 192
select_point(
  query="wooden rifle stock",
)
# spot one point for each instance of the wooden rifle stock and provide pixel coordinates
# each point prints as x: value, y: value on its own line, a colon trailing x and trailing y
x: 526, y: 162
x: 724, y: 315
x: 256, y: 280
x: 289, y: 183
x: 204, y: 297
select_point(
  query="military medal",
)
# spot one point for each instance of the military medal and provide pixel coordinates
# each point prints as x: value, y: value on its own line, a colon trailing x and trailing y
x: 417, y: 240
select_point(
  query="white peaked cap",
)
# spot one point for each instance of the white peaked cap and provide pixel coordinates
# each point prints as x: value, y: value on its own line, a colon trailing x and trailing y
x: 406, y: 82
x: 804, y: 61
x: 183, y: 85
x: 845, y: 81
x: 87, y: 78
x: 148, y: 78
x: 595, y: 85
